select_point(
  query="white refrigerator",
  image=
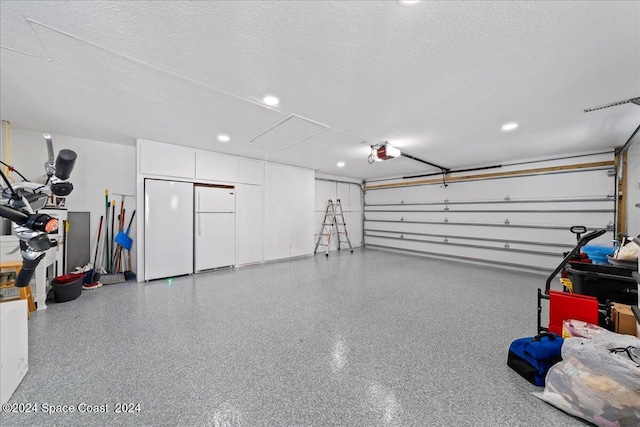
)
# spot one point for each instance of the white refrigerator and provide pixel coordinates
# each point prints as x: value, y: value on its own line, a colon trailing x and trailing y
x: 168, y: 228
x: 215, y: 227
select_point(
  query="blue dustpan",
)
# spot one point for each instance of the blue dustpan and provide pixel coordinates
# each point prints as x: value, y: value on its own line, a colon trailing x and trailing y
x: 124, y: 240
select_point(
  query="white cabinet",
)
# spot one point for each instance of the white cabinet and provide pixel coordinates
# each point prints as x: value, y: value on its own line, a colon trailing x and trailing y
x: 14, y: 346
x: 277, y: 213
x: 168, y: 228
x: 302, y: 213
x: 250, y: 224
x: 251, y: 172
x: 274, y: 216
x: 161, y: 159
x: 212, y: 166
x: 289, y: 211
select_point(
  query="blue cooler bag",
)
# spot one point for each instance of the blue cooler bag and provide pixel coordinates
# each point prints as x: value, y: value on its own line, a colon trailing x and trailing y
x: 532, y: 357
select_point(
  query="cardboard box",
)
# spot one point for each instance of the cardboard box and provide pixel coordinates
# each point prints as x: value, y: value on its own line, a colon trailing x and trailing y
x: 624, y: 321
x: 636, y: 313
x: 14, y: 346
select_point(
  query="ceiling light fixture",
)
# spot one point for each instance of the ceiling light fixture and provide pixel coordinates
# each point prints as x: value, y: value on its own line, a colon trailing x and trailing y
x: 271, y: 100
x: 408, y: 2
x: 509, y: 126
x: 223, y: 138
x: 340, y: 164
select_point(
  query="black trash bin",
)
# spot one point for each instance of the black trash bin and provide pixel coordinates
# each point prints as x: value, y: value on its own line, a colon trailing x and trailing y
x: 67, y: 287
x: 604, y: 282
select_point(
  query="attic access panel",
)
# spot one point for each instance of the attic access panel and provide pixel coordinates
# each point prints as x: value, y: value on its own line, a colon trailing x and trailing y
x: 287, y: 132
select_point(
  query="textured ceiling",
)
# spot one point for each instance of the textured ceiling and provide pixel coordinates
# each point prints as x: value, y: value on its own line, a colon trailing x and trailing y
x: 436, y: 79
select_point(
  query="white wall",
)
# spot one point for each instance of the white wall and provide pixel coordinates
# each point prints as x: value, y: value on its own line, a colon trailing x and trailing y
x: 99, y: 166
x: 633, y: 189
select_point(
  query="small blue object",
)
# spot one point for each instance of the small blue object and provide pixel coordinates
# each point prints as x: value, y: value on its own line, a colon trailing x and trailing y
x: 598, y: 254
x: 124, y: 240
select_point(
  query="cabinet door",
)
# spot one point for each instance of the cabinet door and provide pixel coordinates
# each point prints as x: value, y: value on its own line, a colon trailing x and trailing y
x: 157, y: 158
x: 250, y: 224
x: 302, y: 203
x: 212, y: 166
x: 277, y: 213
x: 251, y: 172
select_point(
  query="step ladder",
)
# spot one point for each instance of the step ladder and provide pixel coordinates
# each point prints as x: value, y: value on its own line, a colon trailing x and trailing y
x: 333, y: 216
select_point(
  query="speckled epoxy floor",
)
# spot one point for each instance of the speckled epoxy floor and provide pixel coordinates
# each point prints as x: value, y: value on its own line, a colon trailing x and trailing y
x: 369, y: 338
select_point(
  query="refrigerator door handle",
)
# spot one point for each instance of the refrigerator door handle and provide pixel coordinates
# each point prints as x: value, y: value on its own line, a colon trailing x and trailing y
x: 199, y: 209
x: 199, y: 223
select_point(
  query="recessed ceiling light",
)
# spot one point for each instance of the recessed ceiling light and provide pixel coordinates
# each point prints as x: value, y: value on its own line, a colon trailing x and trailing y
x: 271, y: 100
x: 408, y: 2
x: 509, y: 126
x: 340, y: 164
x: 223, y: 138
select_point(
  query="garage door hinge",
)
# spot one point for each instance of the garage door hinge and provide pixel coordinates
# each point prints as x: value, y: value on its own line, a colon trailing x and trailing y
x: 507, y: 198
x: 506, y: 245
x: 506, y: 221
x: 446, y: 240
x: 446, y: 220
x: 610, y: 225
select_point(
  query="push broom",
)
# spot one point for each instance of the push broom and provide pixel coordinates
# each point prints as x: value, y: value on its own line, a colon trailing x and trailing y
x: 93, y: 283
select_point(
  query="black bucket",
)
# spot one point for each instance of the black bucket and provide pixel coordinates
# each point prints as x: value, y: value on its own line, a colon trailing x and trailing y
x: 68, y: 287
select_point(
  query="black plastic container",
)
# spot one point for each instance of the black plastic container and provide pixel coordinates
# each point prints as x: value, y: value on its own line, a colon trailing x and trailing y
x: 604, y: 282
x: 68, y: 287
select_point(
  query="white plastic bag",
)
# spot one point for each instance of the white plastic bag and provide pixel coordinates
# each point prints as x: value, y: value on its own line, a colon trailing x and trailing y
x: 628, y: 252
x: 598, y: 380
